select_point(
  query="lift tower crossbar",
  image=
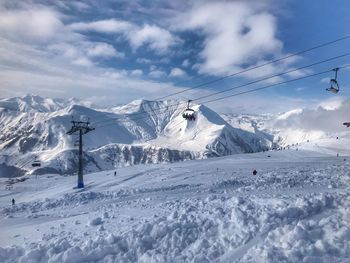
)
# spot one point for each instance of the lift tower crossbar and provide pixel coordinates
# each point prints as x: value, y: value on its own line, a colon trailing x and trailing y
x: 82, y: 127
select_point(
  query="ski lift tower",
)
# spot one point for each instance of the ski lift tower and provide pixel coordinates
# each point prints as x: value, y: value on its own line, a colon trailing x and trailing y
x: 83, y: 128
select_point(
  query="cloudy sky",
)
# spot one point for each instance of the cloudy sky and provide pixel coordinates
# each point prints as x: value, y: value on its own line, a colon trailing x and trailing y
x: 111, y: 52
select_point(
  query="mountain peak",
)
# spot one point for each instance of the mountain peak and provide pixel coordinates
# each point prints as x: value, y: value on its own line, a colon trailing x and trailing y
x: 36, y: 103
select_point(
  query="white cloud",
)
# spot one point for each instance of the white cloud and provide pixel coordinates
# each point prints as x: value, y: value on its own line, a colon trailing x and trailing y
x: 46, y: 54
x: 177, y: 72
x: 236, y: 33
x: 185, y: 63
x: 103, y: 26
x: 298, y: 73
x: 326, y: 118
x: 136, y: 73
x: 102, y: 50
x: 152, y: 67
x: 143, y: 60
x: 83, y: 53
x: 113, y: 74
x: 156, y: 74
x: 42, y: 55
x: 156, y: 38
x: 80, y: 6
x: 325, y: 80
x: 264, y: 72
x: 82, y: 61
x: 37, y: 24
x: 332, y: 103
x: 43, y: 28
x: 290, y: 113
x: 23, y: 69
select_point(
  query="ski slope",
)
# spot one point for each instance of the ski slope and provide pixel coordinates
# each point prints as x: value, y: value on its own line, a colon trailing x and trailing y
x: 296, y: 209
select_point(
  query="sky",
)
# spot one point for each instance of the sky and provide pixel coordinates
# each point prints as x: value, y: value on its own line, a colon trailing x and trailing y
x: 112, y: 52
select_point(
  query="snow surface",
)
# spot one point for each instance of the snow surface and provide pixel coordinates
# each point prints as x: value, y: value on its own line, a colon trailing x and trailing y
x: 296, y: 209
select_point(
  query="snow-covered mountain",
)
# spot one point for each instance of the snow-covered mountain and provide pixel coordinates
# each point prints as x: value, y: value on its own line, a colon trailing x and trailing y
x: 139, y: 132
x: 34, y: 103
x: 148, y: 132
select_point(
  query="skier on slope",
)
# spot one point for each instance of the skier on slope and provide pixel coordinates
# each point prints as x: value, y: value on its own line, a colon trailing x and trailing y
x: 255, y: 172
x: 13, y: 201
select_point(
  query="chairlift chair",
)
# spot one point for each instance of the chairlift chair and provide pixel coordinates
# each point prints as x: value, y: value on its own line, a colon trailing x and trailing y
x: 189, y: 113
x: 36, y: 163
x: 334, y: 88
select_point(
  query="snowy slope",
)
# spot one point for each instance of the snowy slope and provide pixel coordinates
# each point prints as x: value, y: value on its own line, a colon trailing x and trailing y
x: 32, y: 126
x: 259, y: 125
x: 295, y: 210
x: 209, y: 134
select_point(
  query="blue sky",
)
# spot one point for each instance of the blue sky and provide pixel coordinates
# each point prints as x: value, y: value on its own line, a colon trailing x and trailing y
x: 112, y: 52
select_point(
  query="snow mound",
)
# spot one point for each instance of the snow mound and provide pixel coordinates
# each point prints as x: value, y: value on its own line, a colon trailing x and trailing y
x: 212, y: 229
x: 295, y: 209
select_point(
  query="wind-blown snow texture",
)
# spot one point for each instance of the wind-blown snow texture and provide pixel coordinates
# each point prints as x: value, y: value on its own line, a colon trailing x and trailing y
x: 296, y: 209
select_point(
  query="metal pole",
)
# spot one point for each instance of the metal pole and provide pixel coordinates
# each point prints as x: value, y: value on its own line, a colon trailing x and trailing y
x: 83, y: 128
x: 80, y: 172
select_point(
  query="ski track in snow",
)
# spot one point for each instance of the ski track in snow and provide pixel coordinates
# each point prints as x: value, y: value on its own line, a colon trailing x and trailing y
x: 295, y: 210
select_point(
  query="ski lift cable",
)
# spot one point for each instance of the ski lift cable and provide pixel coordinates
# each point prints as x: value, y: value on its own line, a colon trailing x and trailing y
x: 236, y: 87
x: 27, y: 162
x: 139, y: 113
x: 175, y: 125
x: 254, y: 67
x: 257, y: 66
x: 236, y: 94
x: 130, y: 119
x: 110, y: 124
x: 274, y: 76
x: 254, y: 90
x: 24, y: 163
x: 125, y: 119
x: 273, y: 85
x: 226, y: 90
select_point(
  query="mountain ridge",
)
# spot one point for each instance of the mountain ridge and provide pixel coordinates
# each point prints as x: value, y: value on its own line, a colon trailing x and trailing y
x: 40, y: 131
x: 144, y: 131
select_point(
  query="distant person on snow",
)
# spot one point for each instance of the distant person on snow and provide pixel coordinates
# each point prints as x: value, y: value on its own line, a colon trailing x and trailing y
x: 13, y: 201
x: 115, y: 173
x: 255, y: 172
